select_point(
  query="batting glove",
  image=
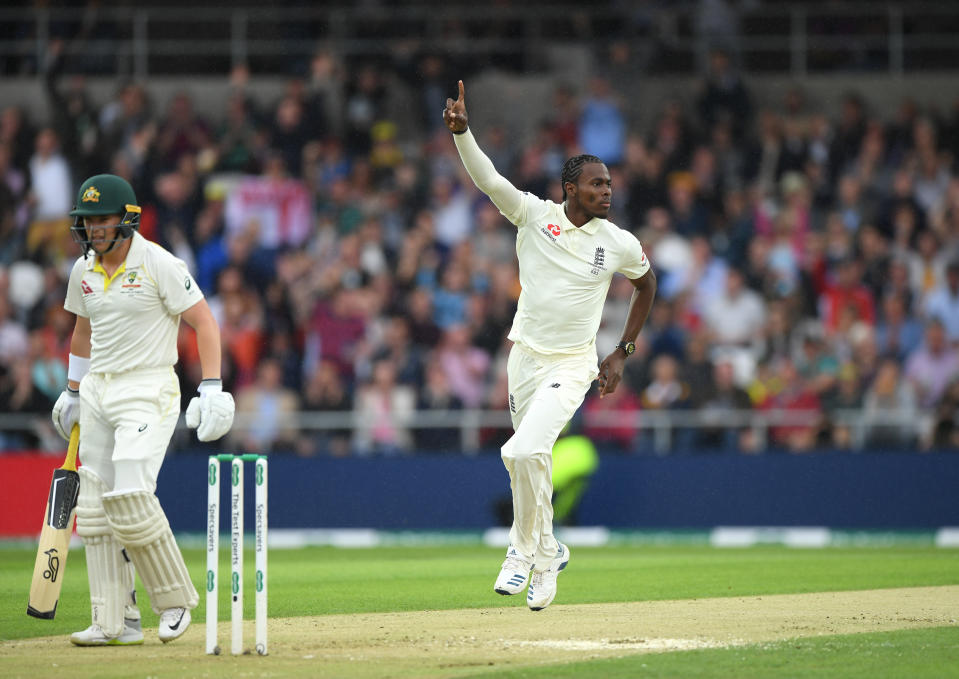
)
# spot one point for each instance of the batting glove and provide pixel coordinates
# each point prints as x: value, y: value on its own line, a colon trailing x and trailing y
x: 66, y: 412
x: 210, y: 413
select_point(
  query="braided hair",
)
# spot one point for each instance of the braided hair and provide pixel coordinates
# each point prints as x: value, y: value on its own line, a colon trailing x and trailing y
x: 573, y: 168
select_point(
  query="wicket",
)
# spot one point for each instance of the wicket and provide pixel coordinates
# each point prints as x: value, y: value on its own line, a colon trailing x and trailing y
x: 236, y: 550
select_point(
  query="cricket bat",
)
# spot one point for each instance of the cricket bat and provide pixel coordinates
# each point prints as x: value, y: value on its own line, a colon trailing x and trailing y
x: 55, y: 537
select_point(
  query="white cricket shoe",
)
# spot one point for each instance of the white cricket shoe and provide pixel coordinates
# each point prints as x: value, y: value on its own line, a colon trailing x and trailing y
x: 542, y: 584
x: 513, y: 573
x: 173, y: 623
x: 93, y: 635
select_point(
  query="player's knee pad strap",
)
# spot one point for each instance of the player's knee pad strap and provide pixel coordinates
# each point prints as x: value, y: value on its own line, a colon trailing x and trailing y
x: 142, y: 528
x: 91, y: 519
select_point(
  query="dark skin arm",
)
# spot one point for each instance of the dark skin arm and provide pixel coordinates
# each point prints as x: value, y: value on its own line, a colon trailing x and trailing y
x: 611, y: 369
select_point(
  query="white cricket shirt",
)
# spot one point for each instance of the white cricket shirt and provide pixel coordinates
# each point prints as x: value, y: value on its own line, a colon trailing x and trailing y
x: 565, y: 274
x: 135, y: 314
x: 564, y: 271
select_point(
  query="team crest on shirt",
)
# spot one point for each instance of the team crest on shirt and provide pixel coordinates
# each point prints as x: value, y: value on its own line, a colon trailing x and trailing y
x: 91, y: 195
x: 132, y: 281
x: 599, y: 261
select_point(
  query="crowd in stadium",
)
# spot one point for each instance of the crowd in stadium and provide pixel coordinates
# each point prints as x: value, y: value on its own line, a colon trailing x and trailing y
x: 808, y: 256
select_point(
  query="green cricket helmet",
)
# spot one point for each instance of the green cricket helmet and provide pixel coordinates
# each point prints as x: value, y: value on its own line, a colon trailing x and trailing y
x: 105, y: 194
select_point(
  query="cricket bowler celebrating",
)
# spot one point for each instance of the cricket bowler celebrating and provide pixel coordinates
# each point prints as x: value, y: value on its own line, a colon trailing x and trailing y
x: 128, y: 295
x: 567, y: 257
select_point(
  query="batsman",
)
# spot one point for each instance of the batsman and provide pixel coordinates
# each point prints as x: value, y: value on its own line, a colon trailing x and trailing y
x: 128, y: 295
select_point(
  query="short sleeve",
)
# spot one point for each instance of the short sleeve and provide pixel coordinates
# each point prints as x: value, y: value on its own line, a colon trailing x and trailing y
x: 176, y: 286
x: 74, y: 302
x: 635, y: 263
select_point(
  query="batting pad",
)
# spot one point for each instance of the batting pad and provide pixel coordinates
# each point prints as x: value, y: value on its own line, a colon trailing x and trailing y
x: 109, y: 574
x: 142, y: 528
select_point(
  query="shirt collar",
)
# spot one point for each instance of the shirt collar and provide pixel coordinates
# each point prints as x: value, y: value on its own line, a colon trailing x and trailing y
x: 590, y: 227
x: 138, y: 248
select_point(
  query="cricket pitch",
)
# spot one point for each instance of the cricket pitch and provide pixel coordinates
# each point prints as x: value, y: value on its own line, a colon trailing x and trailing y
x: 454, y: 643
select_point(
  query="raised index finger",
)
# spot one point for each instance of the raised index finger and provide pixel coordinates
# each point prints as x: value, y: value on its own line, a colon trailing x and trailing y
x: 462, y: 91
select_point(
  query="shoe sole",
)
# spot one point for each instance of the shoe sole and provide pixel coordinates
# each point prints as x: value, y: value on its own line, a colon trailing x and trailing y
x: 112, y: 642
x: 505, y: 592
x: 169, y: 639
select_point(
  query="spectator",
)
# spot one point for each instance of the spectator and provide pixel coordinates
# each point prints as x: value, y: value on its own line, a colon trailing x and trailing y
x: 897, y: 333
x: 290, y: 133
x: 239, y: 142
x: 397, y: 345
x: 451, y: 206
x: 14, y: 340
x: 847, y: 294
x: 450, y: 299
x: 602, y: 128
x: 799, y: 405
x: 690, y: 217
x: 666, y: 391
x: 932, y: 366
x: 466, y: 366
x: 889, y: 409
x: 942, y: 302
x: 945, y: 433
x: 724, y: 96
x: 736, y: 317
x: 21, y: 397
x: 268, y: 409
x: 717, y: 404
x: 51, y: 197
x: 17, y: 135
x: 383, y: 412
x: 325, y: 392
x: 181, y: 132
x: 365, y: 102
x: 74, y: 116
x: 436, y: 394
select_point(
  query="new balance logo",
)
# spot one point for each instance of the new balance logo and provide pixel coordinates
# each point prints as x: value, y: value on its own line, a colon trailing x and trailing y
x: 512, y: 403
x: 554, y: 385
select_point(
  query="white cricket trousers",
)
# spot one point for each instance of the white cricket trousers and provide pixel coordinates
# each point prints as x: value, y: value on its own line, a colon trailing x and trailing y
x: 126, y: 422
x: 544, y: 393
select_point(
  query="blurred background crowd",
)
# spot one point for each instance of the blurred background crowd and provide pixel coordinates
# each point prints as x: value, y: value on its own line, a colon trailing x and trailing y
x: 807, y: 254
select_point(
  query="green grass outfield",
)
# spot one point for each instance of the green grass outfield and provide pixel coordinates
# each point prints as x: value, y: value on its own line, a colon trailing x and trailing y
x: 324, y: 580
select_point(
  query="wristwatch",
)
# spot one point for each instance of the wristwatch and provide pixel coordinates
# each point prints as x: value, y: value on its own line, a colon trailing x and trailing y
x: 627, y: 347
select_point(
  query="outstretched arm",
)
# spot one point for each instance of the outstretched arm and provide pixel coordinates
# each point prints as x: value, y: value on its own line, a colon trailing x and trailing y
x: 480, y: 168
